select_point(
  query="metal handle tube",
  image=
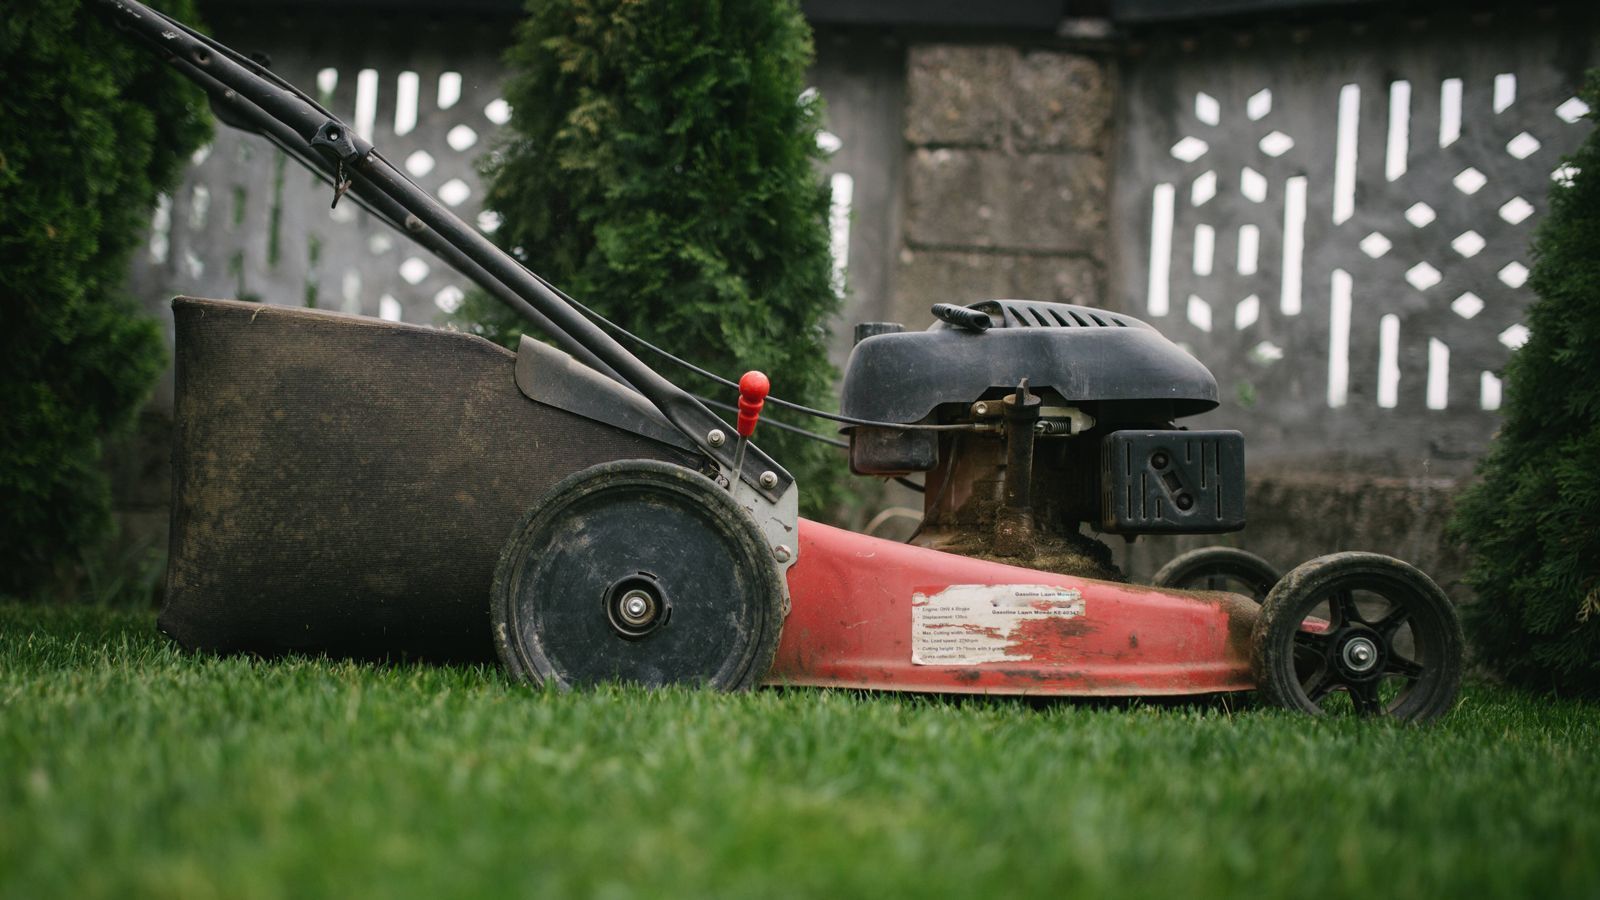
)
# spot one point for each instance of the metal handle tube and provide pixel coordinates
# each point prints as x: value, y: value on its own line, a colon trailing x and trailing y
x: 334, y: 140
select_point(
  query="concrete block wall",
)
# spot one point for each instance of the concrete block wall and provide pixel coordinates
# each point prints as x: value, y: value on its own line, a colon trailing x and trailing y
x: 1007, y: 176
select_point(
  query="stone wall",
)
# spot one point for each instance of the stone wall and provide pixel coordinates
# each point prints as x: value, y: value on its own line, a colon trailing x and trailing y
x: 1007, y: 176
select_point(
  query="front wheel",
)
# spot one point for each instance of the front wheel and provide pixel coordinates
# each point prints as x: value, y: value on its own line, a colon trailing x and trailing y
x: 1361, y: 634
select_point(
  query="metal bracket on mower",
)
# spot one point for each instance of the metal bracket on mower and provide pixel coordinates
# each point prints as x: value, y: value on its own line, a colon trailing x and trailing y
x: 779, y: 523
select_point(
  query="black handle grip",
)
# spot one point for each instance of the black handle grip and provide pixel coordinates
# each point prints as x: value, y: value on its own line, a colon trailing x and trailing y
x: 961, y: 316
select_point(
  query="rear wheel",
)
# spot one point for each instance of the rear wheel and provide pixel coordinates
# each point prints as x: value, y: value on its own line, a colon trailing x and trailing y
x: 1359, y: 634
x: 641, y: 572
x: 1219, y: 569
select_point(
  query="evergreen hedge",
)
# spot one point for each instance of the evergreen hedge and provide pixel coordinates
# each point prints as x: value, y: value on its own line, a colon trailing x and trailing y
x: 91, y: 129
x: 660, y: 169
x: 1532, y: 525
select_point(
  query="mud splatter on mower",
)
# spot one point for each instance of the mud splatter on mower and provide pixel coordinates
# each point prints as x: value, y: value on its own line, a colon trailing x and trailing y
x: 348, y: 485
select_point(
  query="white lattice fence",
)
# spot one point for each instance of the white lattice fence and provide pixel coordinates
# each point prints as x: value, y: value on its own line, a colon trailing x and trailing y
x: 248, y: 222
x: 1347, y: 232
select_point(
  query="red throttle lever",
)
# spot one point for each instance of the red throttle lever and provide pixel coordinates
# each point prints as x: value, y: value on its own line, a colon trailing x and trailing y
x: 753, y: 390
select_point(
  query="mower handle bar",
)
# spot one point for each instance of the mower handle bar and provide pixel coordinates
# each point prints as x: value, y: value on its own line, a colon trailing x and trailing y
x: 250, y: 98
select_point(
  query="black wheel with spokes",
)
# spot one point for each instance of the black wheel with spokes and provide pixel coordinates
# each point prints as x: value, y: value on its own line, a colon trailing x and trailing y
x: 1362, y: 634
x: 1219, y: 569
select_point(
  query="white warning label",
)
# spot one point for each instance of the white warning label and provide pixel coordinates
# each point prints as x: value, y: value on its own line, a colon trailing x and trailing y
x: 965, y: 624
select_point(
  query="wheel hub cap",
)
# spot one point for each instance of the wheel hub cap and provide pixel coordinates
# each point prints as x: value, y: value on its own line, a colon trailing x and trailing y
x: 635, y: 607
x: 1360, y: 655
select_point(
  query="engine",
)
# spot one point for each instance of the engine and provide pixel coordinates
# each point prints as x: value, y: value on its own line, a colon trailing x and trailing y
x: 1048, y: 417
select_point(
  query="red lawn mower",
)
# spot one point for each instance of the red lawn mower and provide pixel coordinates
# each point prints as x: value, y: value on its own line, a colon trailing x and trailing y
x: 360, y: 487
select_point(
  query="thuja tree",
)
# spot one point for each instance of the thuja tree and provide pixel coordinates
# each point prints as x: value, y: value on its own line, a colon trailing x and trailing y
x: 1532, y: 524
x: 93, y: 128
x: 660, y: 169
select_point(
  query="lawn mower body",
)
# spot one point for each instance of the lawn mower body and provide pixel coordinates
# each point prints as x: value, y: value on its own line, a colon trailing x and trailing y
x: 358, y: 487
x: 345, y: 484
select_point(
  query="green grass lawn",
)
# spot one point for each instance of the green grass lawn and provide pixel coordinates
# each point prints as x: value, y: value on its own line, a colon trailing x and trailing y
x: 130, y: 769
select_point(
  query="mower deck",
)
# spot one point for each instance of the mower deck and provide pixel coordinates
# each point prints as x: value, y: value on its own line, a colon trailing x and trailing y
x: 874, y: 614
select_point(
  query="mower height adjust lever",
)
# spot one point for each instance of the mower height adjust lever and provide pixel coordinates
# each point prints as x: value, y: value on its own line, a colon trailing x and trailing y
x: 753, y: 389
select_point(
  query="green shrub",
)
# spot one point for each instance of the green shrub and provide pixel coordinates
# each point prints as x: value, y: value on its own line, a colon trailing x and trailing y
x: 94, y: 127
x: 1533, y: 524
x: 660, y: 169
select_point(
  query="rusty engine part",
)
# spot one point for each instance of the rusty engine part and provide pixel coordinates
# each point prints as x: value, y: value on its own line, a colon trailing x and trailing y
x: 1070, y: 420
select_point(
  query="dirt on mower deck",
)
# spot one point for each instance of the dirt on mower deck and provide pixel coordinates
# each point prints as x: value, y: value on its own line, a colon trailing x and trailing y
x: 1016, y: 544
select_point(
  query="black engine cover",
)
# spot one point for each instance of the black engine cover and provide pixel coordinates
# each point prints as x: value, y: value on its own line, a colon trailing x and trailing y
x: 1081, y: 353
x: 1179, y: 482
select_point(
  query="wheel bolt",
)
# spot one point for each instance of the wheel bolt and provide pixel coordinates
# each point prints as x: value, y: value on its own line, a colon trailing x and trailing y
x: 1360, y: 654
x: 635, y: 608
